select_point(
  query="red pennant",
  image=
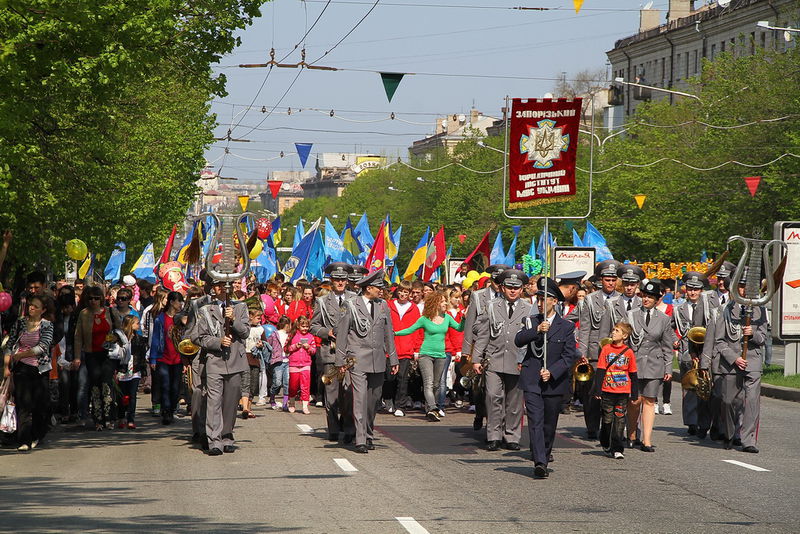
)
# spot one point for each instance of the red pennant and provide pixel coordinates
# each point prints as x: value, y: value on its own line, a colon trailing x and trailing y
x: 752, y: 184
x: 462, y: 238
x: 274, y: 187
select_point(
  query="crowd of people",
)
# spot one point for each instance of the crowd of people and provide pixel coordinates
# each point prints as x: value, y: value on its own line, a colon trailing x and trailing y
x: 501, y: 345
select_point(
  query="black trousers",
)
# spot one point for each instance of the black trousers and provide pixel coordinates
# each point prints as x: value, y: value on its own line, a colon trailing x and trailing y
x: 591, y: 407
x: 543, y: 412
x: 32, y: 398
x: 612, y: 433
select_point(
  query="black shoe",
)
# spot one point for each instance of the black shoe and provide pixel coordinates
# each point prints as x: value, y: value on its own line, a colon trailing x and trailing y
x: 333, y: 437
x: 736, y: 442
x: 550, y: 459
x: 630, y: 444
x: 204, y: 444
x: 727, y: 444
x: 750, y: 449
x: 370, y: 445
x: 715, y: 436
x: 196, y: 438
x: 165, y: 420
x: 494, y: 445
x: 647, y: 448
x: 433, y: 415
x: 229, y: 449
x: 477, y: 423
x: 591, y: 435
x: 692, y: 430
x: 348, y: 439
x: 512, y: 446
x: 215, y: 452
x: 540, y: 471
x: 702, y: 433
x: 361, y: 449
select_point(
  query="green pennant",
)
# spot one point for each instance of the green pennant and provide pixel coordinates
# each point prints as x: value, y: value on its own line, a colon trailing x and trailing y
x: 390, y: 82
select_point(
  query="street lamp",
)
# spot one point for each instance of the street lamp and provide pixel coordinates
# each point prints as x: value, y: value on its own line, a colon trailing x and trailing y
x: 392, y: 188
x: 787, y: 32
x: 484, y: 145
x: 681, y: 93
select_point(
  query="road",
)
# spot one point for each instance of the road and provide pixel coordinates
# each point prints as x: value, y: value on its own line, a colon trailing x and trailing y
x: 288, y: 478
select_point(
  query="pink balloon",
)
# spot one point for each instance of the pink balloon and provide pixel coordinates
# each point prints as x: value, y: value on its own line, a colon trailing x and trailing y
x: 5, y: 301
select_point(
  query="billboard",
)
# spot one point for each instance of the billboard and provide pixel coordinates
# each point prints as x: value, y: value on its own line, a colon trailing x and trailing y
x: 786, y: 306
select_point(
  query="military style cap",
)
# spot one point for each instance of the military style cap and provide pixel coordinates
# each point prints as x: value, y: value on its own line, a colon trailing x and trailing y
x: 573, y: 277
x: 693, y: 280
x: 726, y: 270
x: 338, y: 270
x: 595, y: 281
x: 607, y: 268
x: 356, y: 272
x: 631, y: 273
x: 375, y: 278
x: 552, y: 289
x: 495, y: 270
x: 513, y: 278
x: 651, y: 287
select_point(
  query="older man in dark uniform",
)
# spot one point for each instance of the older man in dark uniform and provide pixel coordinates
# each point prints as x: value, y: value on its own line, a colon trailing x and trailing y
x: 365, y: 333
x: 544, y: 370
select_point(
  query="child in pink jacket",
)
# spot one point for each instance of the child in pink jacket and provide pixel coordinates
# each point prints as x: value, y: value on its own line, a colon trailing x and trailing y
x: 301, y: 347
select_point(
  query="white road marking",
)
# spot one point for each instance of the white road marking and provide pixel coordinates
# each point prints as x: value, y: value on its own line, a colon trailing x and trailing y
x: 411, y: 525
x: 747, y: 466
x: 305, y: 429
x: 345, y: 465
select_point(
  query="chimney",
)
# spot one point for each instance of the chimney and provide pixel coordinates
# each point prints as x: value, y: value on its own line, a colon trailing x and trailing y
x: 649, y: 19
x: 679, y: 9
x: 473, y: 116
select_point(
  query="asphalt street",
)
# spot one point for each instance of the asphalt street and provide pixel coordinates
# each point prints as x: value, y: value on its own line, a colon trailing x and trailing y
x: 423, y: 477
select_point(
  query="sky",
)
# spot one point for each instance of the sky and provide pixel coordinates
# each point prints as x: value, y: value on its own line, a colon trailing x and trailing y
x: 481, y: 46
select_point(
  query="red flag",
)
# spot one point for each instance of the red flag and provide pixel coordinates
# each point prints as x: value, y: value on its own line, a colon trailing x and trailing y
x: 274, y: 187
x: 377, y: 254
x: 436, y: 254
x: 752, y: 184
x: 479, y: 258
x: 167, y: 250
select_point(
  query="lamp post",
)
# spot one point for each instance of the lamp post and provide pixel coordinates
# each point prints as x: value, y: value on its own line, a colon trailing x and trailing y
x: 787, y: 31
x: 671, y: 91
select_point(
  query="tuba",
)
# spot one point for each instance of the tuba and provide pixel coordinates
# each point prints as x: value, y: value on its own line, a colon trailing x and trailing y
x: 187, y: 348
x: 697, y: 380
x: 697, y: 337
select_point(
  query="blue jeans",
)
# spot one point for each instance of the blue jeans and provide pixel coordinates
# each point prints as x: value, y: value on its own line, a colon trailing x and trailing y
x: 443, y: 383
x: 83, y: 391
x: 128, y: 388
x: 170, y: 377
x: 280, y: 378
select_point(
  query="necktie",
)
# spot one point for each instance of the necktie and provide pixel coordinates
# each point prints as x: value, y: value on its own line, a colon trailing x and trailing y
x: 510, y: 310
x: 722, y: 300
x: 629, y: 304
x: 340, y: 301
x: 372, y: 308
x: 647, y: 319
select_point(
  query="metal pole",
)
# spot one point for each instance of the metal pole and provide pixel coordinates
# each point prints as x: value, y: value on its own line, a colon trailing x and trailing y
x: 546, y: 278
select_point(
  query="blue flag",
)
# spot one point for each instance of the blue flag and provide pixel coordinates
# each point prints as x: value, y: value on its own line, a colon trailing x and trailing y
x: 497, y: 255
x: 576, y: 239
x: 143, y: 268
x: 593, y: 238
x: 511, y: 256
x: 317, y: 257
x: 296, y: 265
x: 334, y: 248
x: 303, y: 150
x: 545, y: 245
x: 265, y: 265
x: 532, y: 248
x: 299, y: 232
x: 363, y: 233
x: 113, y: 270
x: 704, y: 255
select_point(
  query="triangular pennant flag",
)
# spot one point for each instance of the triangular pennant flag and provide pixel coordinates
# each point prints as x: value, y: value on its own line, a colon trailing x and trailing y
x: 274, y: 187
x: 303, y: 150
x: 752, y: 184
x: 243, y: 201
x: 577, y: 4
x: 390, y: 82
x: 640, y: 200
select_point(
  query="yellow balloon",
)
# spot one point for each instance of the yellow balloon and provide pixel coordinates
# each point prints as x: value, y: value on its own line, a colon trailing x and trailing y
x: 473, y: 275
x: 76, y: 249
x: 257, y: 248
x: 467, y: 283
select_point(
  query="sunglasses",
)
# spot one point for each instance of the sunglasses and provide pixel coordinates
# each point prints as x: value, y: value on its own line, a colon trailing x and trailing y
x: 95, y: 298
x: 123, y: 298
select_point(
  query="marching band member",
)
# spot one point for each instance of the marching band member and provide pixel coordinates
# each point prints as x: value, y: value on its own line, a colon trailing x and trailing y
x: 591, y: 315
x: 739, y: 377
x: 365, y: 333
x: 545, y: 383
x: 496, y: 355
x: 632, y: 276
x: 652, y: 340
x: 568, y: 284
x: 327, y: 313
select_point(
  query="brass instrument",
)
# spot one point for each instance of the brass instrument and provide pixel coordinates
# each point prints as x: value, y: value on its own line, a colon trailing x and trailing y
x: 582, y: 372
x: 697, y: 380
x: 337, y: 373
x: 187, y: 348
x: 604, y: 341
x: 696, y: 335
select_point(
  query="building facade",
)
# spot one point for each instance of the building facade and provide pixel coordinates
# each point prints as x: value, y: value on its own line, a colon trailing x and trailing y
x: 450, y: 131
x: 337, y: 170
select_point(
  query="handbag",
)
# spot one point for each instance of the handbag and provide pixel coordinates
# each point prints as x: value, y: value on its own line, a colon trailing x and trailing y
x: 8, y: 421
x: 6, y: 387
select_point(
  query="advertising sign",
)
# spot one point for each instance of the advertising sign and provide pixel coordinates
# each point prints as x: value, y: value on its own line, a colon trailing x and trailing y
x: 786, y: 305
x: 569, y: 259
x: 542, y: 149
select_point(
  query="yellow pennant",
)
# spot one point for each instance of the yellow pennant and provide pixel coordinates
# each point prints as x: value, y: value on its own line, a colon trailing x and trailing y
x: 243, y: 200
x: 577, y: 4
x: 640, y: 200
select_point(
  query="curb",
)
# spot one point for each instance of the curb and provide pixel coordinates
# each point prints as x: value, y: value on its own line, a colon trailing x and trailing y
x: 767, y: 390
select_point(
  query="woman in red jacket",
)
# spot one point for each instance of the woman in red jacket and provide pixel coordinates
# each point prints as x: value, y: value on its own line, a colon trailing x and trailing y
x: 303, y: 307
x: 404, y: 314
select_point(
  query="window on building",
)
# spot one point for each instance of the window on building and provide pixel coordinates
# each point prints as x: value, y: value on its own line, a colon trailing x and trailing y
x: 722, y: 47
x: 763, y: 39
x: 752, y: 43
x: 694, y: 62
x: 664, y: 71
x: 686, y: 64
x: 713, y: 51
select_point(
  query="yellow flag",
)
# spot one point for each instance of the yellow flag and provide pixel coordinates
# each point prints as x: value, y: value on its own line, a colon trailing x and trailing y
x: 243, y: 200
x: 577, y: 4
x: 640, y: 200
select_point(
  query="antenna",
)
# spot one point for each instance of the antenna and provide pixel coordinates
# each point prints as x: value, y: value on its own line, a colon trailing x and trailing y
x: 648, y: 5
x: 723, y: 3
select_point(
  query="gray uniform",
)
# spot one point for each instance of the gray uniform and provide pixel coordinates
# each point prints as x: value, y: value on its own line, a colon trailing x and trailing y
x: 477, y: 307
x: 495, y: 341
x: 327, y: 312
x: 652, y: 345
x: 198, y: 400
x: 223, y: 373
x: 591, y: 316
x: 369, y: 340
x: 616, y: 311
x: 739, y: 390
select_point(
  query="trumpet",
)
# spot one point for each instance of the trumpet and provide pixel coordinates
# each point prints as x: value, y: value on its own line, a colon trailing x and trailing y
x: 337, y: 373
x: 187, y: 348
x: 582, y: 372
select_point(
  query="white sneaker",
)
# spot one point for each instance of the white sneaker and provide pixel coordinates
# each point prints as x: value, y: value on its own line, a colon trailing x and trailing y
x: 666, y: 409
x: 471, y: 408
x: 23, y: 448
x: 656, y: 409
x: 261, y: 401
x: 459, y: 403
x: 398, y: 413
x: 619, y: 456
x: 441, y: 413
x: 318, y: 404
x: 34, y: 444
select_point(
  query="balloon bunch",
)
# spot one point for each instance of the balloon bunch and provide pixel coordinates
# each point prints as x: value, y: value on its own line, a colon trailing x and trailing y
x: 531, y: 266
